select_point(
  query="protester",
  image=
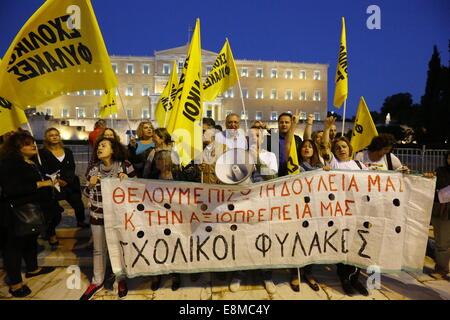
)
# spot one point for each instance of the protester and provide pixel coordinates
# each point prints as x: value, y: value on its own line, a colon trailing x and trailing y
x: 137, y: 148
x: 340, y: 155
x: 333, y: 133
x: 163, y: 141
x: 233, y: 137
x: 440, y: 220
x: 211, y: 152
x: 284, y: 125
x: 99, y: 126
x: 208, y: 123
x: 108, y: 133
x: 56, y: 158
x: 109, y: 162
x: 23, y: 186
x: 378, y: 155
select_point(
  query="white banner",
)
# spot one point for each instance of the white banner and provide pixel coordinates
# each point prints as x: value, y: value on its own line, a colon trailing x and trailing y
x: 360, y: 218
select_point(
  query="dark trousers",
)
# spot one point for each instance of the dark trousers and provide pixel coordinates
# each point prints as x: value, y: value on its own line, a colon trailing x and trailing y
x: 74, y: 199
x: 52, y: 212
x: 15, y: 249
x: 304, y: 270
x: 347, y: 272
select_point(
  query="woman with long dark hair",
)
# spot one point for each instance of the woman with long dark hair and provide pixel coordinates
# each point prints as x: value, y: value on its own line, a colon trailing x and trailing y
x: 109, y: 161
x: 22, y: 182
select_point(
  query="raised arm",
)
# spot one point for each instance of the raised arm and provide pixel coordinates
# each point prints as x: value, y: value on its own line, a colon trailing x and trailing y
x: 325, y: 148
x: 290, y: 134
x: 308, y: 130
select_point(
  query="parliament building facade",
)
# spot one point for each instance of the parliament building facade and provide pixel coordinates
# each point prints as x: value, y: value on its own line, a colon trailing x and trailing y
x: 268, y: 89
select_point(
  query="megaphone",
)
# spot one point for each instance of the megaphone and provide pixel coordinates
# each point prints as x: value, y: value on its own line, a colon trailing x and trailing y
x: 235, y: 166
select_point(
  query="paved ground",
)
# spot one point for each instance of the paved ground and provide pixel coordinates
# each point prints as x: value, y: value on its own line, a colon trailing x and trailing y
x: 75, y: 249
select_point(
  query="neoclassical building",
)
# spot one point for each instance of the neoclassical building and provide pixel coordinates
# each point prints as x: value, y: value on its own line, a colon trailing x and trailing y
x: 268, y: 89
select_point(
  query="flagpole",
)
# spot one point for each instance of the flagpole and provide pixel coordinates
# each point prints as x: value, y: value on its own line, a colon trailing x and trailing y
x: 31, y: 131
x: 343, y: 118
x: 243, y: 104
x: 126, y: 115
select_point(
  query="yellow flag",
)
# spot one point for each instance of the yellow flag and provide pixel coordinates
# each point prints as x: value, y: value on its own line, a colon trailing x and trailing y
x: 109, y: 104
x: 11, y: 117
x: 184, y: 122
x: 341, y: 80
x: 292, y: 162
x: 364, y: 129
x: 60, y: 49
x: 222, y: 76
x: 165, y: 104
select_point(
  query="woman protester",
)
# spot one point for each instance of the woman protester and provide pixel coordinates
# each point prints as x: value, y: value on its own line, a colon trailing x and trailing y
x: 24, y: 188
x: 340, y: 155
x: 109, y: 162
x: 57, y: 158
x: 137, y: 148
x: 163, y: 141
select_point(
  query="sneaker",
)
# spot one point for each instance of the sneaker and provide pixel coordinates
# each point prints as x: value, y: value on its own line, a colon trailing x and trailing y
x: 155, y: 283
x: 295, y: 285
x: 44, y: 270
x: 20, y: 293
x: 271, y: 288
x: 90, y: 291
x: 122, y: 289
x: 235, y: 284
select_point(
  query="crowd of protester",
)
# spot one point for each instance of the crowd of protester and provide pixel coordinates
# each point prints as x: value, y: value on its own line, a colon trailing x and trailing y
x: 35, y: 179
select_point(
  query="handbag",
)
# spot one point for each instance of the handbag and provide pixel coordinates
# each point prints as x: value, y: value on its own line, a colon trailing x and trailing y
x: 28, y: 219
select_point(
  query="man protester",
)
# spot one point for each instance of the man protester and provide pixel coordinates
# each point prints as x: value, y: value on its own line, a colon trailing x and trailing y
x: 233, y: 137
x: 284, y: 124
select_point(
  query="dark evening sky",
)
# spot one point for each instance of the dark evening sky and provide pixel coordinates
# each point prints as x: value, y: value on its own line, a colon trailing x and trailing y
x: 381, y: 62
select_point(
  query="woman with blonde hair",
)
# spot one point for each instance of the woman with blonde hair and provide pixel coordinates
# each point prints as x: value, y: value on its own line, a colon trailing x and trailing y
x: 138, y: 148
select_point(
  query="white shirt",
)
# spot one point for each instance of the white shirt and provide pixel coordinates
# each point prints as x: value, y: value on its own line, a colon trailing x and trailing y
x: 346, y: 165
x: 270, y: 160
x: 380, y: 164
x: 233, y: 139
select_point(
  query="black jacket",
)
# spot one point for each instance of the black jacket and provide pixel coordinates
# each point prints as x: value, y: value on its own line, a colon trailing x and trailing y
x: 50, y: 164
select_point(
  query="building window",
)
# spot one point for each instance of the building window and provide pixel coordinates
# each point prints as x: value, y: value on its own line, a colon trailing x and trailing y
x: 288, y: 95
x: 96, y: 112
x: 317, y: 116
x: 245, y: 93
x: 244, y: 115
x: 49, y: 111
x: 316, y: 74
x: 274, y: 94
x: 114, y: 67
x: 274, y: 74
x: 145, y: 92
x: 244, y: 72
x: 259, y: 73
x: 145, y: 114
x: 302, y: 75
x: 229, y: 93
x: 81, y: 93
x: 316, y: 96
x: 130, y: 113
x: 145, y: 69
x: 113, y: 116
x: 208, y: 69
x: 166, y: 68
x: 98, y: 92
x: 303, y: 95
x: 65, y: 113
x: 209, y: 113
x: 81, y: 112
x: 274, y: 116
x: 129, y: 91
x: 259, y: 115
x: 227, y: 112
x: 130, y: 68
x: 288, y: 74
x: 259, y: 93
x: 180, y: 66
x: 302, y: 115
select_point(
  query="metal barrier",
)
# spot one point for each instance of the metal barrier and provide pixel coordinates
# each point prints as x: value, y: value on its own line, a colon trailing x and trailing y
x: 421, y: 160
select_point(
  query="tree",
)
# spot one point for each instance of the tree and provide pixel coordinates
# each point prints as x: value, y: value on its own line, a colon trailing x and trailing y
x: 401, y: 108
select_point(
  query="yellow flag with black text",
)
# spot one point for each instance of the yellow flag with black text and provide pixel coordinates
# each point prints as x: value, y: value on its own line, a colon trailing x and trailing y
x: 184, y: 122
x: 60, y: 49
x: 292, y: 162
x: 109, y: 104
x: 364, y: 129
x: 222, y: 76
x: 164, y: 106
x: 341, y: 79
x: 11, y: 117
